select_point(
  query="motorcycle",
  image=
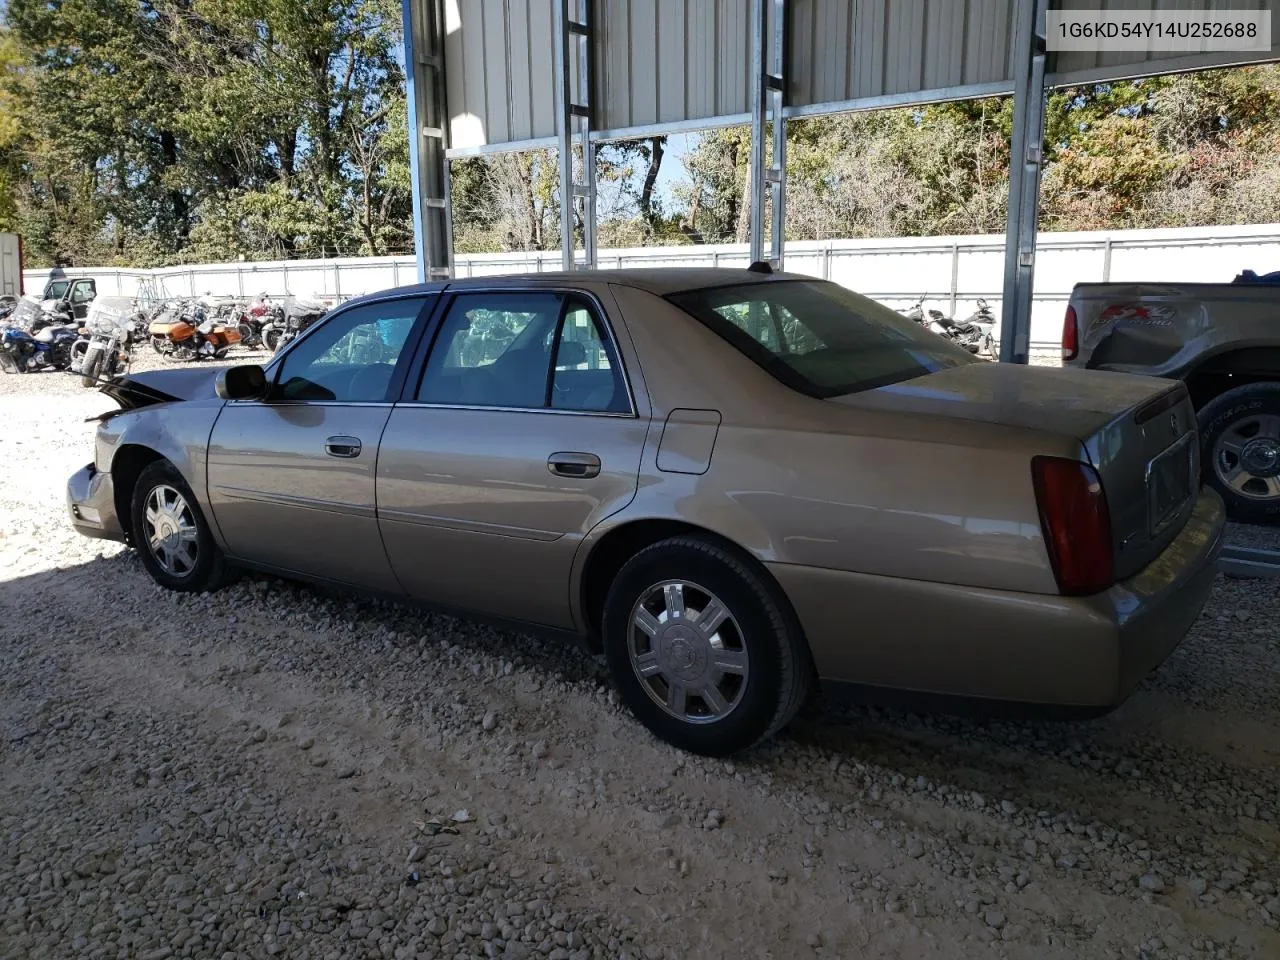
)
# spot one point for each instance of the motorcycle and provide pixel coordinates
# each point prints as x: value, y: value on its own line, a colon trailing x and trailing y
x: 916, y: 312
x: 975, y: 333
x: 110, y: 327
x: 260, y: 324
x: 190, y: 335
x: 31, y: 343
x: 299, y: 314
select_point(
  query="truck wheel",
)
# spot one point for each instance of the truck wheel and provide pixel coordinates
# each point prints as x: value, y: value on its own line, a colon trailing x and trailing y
x: 1240, y: 439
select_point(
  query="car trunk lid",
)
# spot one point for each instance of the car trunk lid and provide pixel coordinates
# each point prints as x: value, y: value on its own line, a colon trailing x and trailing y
x: 1139, y: 433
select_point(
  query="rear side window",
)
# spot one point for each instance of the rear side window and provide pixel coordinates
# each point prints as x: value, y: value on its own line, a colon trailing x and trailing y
x: 525, y: 351
x: 819, y: 338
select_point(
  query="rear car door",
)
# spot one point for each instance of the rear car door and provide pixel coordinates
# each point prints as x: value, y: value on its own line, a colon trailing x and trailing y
x: 291, y: 477
x: 521, y: 434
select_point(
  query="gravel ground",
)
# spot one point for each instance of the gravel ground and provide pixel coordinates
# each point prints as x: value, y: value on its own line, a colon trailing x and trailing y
x: 273, y: 771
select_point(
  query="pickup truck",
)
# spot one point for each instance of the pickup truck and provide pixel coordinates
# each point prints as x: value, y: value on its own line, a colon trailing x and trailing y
x: 1223, y: 341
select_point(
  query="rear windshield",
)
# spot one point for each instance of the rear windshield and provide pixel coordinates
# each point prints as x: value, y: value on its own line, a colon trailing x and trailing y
x: 819, y: 338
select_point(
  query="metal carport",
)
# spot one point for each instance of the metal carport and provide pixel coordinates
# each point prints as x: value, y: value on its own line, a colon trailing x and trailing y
x: 487, y: 76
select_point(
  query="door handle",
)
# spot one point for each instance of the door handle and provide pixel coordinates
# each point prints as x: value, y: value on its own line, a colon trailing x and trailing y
x: 345, y: 447
x: 580, y: 466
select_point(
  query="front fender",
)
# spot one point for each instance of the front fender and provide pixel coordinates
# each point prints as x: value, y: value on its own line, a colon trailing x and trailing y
x: 178, y: 432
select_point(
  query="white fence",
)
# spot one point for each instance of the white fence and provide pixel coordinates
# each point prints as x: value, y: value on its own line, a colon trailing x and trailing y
x: 952, y: 271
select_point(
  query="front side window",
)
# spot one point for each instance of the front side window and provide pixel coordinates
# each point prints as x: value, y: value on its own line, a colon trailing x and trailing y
x: 819, y: 338
x: 82, y: 292
x: 350, y: 357
x: 528, y: 351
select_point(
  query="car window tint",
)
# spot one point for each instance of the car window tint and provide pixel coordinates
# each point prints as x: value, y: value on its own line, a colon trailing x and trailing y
x: 493, y: 349
x: 586, y: 372
x: 350, y: 356
x: 819, y: 338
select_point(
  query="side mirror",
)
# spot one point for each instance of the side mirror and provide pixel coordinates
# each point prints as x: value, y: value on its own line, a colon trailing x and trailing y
x: 248, y: 382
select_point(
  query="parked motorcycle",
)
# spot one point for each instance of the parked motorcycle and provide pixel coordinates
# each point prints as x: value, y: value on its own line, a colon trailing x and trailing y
x: 110, y: 326
x: 187, y: 334
x: 916, y: 312
x: 299, y: 314
x: 975, y: 334
x: 260, y: 324
x: 29, y: 343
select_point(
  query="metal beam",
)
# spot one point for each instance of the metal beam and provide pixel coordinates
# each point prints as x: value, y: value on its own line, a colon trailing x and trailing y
x: 428, y: 137
x: 768, y: 155
x: 1025, y: 157
x: 574, y: 44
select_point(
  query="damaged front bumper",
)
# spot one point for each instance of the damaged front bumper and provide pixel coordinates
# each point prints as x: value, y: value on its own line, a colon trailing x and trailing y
x: 91, y: 502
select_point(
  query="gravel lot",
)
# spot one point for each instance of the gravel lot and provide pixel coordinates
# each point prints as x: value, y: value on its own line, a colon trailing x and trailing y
x: 273, y: 771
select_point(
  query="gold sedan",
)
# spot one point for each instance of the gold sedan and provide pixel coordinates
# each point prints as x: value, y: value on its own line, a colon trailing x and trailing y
x: 732, y: 483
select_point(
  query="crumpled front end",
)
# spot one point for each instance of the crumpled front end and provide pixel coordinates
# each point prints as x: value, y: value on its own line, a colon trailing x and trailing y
x: 91, y: 503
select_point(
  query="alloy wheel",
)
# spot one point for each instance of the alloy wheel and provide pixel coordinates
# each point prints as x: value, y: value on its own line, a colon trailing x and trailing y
x: 687, y: 650
x: 172, y: 534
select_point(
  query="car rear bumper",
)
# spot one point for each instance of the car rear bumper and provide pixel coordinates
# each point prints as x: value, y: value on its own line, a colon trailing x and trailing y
x: 91, y: 503
x: 954, y: 641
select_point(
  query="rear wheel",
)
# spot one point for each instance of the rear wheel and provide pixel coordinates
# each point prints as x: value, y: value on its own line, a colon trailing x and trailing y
x: 702, y: 648
x: 172, y: 535
x: 1240, y: 436
x: 273, y: 340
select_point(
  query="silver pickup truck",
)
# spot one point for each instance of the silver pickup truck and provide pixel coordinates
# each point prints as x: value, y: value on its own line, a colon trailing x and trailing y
x: 1223, y: 340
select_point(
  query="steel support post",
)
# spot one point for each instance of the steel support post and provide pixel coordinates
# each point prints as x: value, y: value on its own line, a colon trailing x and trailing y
x: 574, y: 82
x: 428, y: 137
x: 1024, y: 181
x: 768, y: 154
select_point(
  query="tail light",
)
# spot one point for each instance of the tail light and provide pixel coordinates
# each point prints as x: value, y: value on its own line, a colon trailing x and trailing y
x: 1076, y: 524
x: 1070, y: 335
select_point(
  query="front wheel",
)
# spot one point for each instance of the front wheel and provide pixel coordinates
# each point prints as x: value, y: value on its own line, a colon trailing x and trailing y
x: 172, y: 535
x: 703, y: 648
x: 1240, y: 440
x: 91, y: 367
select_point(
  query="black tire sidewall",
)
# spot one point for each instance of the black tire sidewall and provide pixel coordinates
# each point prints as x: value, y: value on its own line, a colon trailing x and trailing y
x: 763, y: 627
x: 91, y: 367
x: 1215, y: 418
x: 208, y: 571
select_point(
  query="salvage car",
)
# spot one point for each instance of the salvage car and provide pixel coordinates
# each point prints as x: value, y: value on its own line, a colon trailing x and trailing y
x: 732, y: 483
x: 1223, y: 341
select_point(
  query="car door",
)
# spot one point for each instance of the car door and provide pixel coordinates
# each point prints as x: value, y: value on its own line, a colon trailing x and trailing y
x: 82, y: 294
x: 520, y: 436
x: 291, y: 477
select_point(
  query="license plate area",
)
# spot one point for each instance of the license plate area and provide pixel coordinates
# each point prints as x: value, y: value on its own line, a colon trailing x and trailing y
x: 1170, y: 483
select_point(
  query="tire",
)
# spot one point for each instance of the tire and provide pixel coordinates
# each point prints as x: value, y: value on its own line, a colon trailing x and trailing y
x: 207, y: 569
x: 1250, y: 413
x: 755, y: 703
x: 273, y: 340
x: 91, y: 368
x: 158, y: 345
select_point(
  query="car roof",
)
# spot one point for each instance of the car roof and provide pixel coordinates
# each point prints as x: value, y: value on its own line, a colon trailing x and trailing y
x: 661, y: 281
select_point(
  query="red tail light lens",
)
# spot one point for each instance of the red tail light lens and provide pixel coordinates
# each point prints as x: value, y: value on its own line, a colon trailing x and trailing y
x: 1076, y: 524
x: 1070, y: 335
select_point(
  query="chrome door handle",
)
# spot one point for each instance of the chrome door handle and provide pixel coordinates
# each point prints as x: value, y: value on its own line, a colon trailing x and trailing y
x: 345, y: 447
x: 580, y: 466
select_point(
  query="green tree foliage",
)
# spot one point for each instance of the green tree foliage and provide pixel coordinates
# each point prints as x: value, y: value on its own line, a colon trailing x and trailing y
x: 144, y: 132
x: 169, y: 130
